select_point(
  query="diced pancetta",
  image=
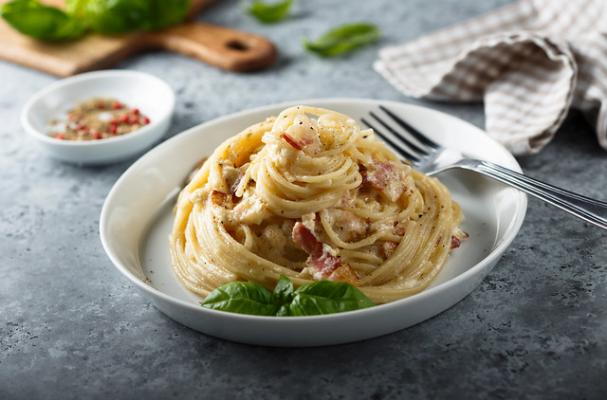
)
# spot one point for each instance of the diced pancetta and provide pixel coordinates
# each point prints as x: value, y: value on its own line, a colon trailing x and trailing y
x: 320, y: 256
x: 344, y: 273
x: 386, y: 178
x: 458, y: 238
x: 218, y: 198
x: 389, y: 248
x: 305, y: 239
x: 347, y: 225
x: 400, y: 229
x: 295, y: 143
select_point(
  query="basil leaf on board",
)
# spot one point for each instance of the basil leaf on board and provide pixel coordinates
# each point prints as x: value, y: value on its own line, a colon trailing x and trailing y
x: 269, y: 13
x: 39, y: 21
x: 343, y: 39
x: 34, y: 19
x: 118, y: 16
x: 113, y: 16
x: 283, y: 291
x: 327, y: 297
x: 75, y: 7
x: 164, y: 13
x: 242, y: 298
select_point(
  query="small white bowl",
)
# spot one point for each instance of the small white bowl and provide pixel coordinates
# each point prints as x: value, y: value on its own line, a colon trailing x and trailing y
x: 136, y: 89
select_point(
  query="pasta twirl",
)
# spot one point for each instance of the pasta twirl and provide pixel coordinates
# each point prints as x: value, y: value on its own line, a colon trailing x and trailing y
x: 311, y: 196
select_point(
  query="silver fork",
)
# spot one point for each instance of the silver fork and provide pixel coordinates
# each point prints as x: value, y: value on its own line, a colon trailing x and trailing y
x: 431, y: 158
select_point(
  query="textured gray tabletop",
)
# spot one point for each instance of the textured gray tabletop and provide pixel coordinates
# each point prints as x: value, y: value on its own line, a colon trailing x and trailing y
x: 71, y: 327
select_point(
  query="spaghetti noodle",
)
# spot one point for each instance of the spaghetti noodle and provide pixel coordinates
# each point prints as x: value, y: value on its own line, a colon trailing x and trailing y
x: 311, y: 196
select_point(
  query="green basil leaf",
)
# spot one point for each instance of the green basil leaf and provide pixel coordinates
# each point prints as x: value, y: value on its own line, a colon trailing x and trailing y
x: 242, y: 298
x: 283, y: 291
x: 75, y: 7
x: 269, y: 13
x: 34, y: 19
x: 327, y: 297
x: 113, y: 16
x: 119, y: 16
x: 343, y: 39
x: 163, y: 13
x: 283, y: 311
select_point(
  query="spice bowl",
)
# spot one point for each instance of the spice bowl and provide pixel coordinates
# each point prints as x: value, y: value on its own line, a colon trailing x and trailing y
x: 150, y: 95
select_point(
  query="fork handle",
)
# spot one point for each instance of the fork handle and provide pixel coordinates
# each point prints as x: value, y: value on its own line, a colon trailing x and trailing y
x: 590, y: 210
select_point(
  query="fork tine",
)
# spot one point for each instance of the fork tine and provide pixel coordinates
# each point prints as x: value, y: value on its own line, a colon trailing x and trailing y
x: 396, y: 147
x: 414, y: 132
x: 400, y: 137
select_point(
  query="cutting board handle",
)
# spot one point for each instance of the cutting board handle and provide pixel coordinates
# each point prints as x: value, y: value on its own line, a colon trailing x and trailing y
x: 222, y: 47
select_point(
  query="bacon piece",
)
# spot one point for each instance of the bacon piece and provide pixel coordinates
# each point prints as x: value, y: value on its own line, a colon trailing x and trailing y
x: 224, y: 199
x: 319, y: 255
x: 305, y: 239
x: 346, y: 274
x: 218, y: 198
x: 325, y: 264
x: 456, y: 240
x: 400, y: 229
x: 388, y: 248
x: 377, y: 177
x: 384, y: 177
x: 296, y: 144
x: 362, y: 170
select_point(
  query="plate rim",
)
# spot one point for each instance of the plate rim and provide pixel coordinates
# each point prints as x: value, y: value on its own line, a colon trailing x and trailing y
x: 496, y: 253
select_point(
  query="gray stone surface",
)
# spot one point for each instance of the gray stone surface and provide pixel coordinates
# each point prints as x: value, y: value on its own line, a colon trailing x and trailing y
x: 71, y: 327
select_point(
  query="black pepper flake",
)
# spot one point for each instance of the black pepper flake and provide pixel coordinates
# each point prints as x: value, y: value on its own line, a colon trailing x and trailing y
x: 300, y: 122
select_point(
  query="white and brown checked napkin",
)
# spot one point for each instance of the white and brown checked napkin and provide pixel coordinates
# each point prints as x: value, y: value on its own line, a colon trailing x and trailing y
x: 529, y: 61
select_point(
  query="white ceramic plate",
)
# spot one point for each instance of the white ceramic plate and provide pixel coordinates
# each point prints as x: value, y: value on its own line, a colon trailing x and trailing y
x: 136, y: 220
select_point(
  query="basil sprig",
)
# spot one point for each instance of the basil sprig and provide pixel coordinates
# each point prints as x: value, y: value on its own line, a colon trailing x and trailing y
x: 317, y: 298
x: 269, y: 13
x: 119, y: 16
x: 343, y: 39
x: 327, y: 297
x: 39, y: 21
x: 242, y: 298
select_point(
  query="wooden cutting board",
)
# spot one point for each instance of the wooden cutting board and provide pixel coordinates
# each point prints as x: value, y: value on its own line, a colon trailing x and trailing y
x: 222, y: 47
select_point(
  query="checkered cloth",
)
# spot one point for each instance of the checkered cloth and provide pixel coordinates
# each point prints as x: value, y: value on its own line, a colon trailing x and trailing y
x: 529, y: 62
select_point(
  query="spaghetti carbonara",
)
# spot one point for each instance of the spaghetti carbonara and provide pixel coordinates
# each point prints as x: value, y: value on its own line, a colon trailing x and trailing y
x: 311, y: 196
